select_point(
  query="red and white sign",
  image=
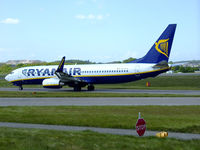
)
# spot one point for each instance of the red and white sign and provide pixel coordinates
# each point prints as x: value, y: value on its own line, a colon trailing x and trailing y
x: 140, y: 126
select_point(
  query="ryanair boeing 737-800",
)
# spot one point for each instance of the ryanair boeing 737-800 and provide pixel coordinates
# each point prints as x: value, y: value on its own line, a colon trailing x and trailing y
x: 152, y: 64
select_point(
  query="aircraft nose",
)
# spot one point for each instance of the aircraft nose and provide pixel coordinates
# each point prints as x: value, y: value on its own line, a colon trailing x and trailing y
x: 7, y: 78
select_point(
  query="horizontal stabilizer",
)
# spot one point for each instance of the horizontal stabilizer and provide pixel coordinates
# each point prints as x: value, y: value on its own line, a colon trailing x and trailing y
x: 162, y: 64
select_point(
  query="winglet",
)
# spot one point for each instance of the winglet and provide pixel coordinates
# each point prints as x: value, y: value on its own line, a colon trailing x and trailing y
x: 61, y: 65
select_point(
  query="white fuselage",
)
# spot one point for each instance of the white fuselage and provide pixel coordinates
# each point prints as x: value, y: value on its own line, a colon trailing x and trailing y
x: 95, y: 73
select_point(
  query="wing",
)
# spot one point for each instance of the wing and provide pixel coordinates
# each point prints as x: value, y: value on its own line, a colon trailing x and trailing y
x: 64, y: 77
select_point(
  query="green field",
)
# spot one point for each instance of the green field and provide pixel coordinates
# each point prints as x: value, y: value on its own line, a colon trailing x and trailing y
x: 161, y: 82
x: 161, y: 118
x: 167, y: 118
x: 35, y: 139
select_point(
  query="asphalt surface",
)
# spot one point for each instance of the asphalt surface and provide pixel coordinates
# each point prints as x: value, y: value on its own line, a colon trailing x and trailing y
x: 96, y: 101
x: 182, y: 136
x: 185, y: 92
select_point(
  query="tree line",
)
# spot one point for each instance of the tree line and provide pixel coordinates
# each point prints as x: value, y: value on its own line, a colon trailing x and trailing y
x: 185, y: 69
x: 6, y: 68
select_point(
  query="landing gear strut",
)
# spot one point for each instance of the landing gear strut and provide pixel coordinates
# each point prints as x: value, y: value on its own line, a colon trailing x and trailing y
x: 20, y: 87
x: 90, y: 87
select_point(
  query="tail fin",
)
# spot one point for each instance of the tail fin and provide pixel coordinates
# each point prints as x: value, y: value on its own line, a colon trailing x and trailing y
x: 160, y: 51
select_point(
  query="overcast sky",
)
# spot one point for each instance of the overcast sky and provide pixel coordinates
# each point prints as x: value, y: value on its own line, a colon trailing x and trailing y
x: 96, y: 30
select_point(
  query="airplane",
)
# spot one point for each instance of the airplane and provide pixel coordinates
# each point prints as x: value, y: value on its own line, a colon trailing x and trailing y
x: 152, y: 64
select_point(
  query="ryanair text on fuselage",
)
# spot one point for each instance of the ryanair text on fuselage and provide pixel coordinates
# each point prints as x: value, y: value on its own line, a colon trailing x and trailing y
x: 50, y: 72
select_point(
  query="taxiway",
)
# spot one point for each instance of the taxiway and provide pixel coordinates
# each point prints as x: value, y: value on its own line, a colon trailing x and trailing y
x: 100, y: 101
x: 130, y: 132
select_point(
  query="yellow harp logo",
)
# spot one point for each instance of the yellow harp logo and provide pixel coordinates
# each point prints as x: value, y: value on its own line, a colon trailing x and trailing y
x: 162, y: 46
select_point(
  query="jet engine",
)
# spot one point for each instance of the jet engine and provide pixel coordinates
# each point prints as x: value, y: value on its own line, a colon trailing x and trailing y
x: 52, y: 83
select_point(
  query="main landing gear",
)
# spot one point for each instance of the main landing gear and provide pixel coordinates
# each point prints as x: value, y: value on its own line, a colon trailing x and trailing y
x: 90, y: 87
x: 20, y: 87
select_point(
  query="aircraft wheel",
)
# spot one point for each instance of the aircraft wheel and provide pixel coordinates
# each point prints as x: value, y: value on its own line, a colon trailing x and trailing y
x: 20, y: 88
x: 90, y: 88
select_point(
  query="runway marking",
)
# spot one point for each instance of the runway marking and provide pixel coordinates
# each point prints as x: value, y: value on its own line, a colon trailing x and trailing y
x: 131, y: 132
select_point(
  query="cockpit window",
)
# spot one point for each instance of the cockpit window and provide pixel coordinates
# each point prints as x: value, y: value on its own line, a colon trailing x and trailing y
x: 12, y: 72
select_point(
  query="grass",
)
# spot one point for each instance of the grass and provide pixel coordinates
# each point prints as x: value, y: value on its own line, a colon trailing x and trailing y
x: 36, y: 139
x: 167, y: 118
x: 85, y: 94
x: 160, y: 82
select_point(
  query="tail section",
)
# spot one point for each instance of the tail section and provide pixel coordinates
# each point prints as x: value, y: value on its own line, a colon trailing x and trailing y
x: 160, y: 51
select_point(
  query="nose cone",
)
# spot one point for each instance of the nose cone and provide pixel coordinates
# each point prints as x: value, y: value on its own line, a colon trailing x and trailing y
x: 7, y: 78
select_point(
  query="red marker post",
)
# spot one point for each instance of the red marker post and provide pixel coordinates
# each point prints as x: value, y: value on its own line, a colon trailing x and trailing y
x: 140, y: 126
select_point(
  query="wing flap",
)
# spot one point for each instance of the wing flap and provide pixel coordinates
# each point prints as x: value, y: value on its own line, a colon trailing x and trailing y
x: 65, y: 78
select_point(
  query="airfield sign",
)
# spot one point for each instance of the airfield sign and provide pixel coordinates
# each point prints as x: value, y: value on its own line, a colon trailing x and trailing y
x: 140, y: 126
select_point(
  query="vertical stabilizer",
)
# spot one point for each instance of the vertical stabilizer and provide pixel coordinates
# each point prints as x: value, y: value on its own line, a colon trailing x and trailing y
x: 160, y: 51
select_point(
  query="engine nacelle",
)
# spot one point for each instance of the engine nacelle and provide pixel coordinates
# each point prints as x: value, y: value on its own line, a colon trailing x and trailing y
x: 52, y: 83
